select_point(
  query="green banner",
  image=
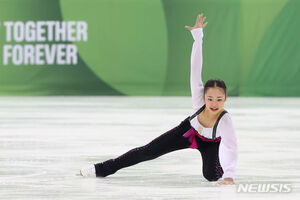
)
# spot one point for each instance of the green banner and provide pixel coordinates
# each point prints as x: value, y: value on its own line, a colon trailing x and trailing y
x: 140, y: 47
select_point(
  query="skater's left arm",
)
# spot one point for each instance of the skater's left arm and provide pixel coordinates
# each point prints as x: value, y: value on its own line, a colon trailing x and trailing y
x: 228, y: 151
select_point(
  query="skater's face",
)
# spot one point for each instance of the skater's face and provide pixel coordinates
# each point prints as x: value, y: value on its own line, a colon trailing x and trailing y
x: 214, y: 99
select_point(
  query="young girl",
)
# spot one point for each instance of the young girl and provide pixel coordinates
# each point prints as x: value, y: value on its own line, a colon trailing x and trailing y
x: 209, y: 129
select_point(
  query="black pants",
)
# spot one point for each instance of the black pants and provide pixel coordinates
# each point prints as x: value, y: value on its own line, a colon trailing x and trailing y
x: 171, y: 140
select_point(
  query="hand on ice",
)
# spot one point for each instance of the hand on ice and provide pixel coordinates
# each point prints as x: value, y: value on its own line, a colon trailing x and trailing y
x: 226, y: 181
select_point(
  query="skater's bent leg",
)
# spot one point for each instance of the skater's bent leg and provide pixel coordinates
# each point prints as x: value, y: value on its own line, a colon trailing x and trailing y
x: 212, y: 172
x: 171, y: 140
x: 211, y: 168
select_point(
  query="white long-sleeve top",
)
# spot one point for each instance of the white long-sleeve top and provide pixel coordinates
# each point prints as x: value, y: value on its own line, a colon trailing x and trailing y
x: 228, y: 147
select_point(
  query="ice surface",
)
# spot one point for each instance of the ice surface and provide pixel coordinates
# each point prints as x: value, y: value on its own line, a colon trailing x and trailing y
x: 44, y: 141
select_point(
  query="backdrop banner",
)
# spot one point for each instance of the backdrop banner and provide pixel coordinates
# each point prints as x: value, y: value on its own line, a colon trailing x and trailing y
x: 141, y: 47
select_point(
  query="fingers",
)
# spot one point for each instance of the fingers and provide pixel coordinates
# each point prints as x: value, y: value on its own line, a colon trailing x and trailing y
x: 205, y: 24
x: 188, y: 27
x: 202, y: 20
x: 198, y: 22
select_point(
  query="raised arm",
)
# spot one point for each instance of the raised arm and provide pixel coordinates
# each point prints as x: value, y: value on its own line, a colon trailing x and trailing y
x: 197, y: 88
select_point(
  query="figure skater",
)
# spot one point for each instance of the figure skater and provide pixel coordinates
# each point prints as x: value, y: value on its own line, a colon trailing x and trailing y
x: 209, y: 129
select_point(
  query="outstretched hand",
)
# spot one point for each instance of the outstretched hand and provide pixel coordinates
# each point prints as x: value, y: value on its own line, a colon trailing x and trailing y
x: 199, y: 22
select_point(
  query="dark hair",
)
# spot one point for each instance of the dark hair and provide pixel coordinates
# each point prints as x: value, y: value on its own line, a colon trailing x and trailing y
x: 211, y: 83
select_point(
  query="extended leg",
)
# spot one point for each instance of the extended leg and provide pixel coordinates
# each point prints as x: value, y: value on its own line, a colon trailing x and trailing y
x: 171, y: 140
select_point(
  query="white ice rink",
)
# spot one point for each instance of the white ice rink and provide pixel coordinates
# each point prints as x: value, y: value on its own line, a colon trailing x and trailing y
x: 44, y: 141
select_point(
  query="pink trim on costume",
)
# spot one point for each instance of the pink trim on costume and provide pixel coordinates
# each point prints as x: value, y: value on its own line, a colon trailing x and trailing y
x: 220, y: 170
x: 191, y: 135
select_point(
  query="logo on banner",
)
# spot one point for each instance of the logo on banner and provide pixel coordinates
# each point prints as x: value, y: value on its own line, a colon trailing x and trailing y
x: 42, y: 42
